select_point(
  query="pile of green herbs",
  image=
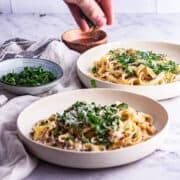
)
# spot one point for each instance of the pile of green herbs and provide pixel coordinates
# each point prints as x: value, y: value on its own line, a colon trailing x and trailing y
x: 30, y: 76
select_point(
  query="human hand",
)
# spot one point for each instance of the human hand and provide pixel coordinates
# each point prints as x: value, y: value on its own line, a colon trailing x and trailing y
x: 98, y: 11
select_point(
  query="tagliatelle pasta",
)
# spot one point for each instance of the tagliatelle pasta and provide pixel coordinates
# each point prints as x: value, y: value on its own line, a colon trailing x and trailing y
x: 134, y: 67
x: 91, y: 127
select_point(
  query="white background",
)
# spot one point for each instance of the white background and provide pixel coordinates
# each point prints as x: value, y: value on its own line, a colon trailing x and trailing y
x: 120, y: 6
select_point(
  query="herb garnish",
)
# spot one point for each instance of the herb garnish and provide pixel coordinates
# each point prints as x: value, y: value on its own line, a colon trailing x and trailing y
x: 88, y: 21
x: 93, y: 83
x: 150, y: 59
x: 55, y: 132
x: 169, y: 66
x: 30, y: 76
x: 97, y: 117
x: 122, y: 106
x: 93, y: 69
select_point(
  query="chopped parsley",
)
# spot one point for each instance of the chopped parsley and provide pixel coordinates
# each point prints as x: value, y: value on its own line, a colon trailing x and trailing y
x: 122, y: 106
x: 55, y: 132
x: 149, y: 55
x: 93, y: 83
x: 29, y: 76
x: 169, y: 66
x: 93, y: 69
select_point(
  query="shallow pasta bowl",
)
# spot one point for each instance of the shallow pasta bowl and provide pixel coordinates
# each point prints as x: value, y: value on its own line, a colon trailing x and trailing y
x: 158, y: 92
x: 58, y: 103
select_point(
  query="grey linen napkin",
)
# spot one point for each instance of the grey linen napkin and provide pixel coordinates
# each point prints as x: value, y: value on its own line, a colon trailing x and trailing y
x: 15, y: 162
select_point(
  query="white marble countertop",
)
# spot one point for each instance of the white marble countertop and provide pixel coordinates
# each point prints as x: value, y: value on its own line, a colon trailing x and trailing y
x: 162, y: 164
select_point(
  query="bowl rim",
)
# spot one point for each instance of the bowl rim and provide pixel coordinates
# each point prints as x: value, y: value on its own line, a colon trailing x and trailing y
x: 157, y: 135
x: 33, y: 59
x: 87, y: 74
x: 91, y: 43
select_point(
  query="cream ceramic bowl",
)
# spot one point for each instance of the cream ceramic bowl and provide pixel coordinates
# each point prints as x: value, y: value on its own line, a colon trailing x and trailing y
x: 158, y: 92
x: 57, y: 103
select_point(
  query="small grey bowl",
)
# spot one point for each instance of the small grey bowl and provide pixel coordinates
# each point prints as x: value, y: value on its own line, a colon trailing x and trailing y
x: 18, y: 64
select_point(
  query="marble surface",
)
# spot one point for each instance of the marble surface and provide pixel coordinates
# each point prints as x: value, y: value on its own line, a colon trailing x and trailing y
x: 126, y: 26
x: 162, y: 164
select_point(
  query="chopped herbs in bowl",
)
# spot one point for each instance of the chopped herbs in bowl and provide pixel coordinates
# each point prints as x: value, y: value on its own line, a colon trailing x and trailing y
x: 29, y: 76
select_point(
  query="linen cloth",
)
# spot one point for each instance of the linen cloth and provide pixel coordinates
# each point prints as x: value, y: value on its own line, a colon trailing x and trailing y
x: 15, y: 162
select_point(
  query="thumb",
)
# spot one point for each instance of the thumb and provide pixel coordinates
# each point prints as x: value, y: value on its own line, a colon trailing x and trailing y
x: 92, y: 10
